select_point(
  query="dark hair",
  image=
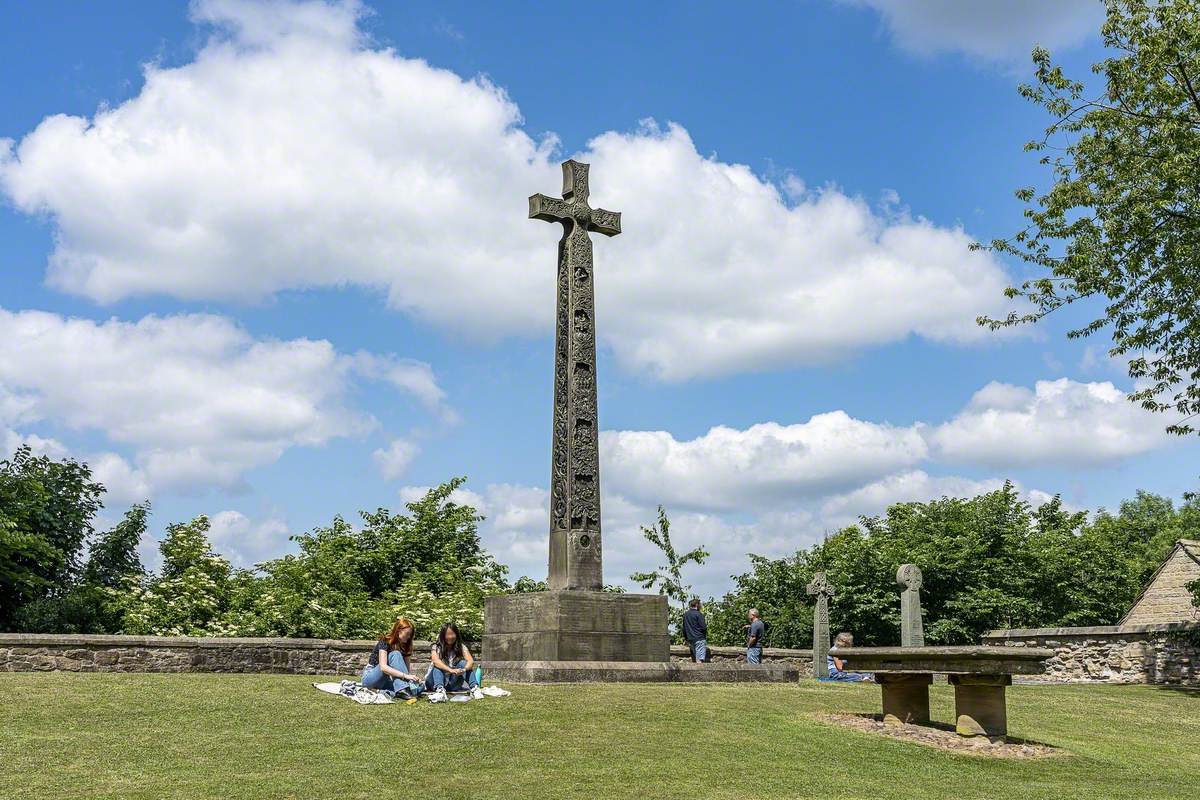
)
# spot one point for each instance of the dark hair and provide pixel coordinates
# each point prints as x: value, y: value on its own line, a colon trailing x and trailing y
x: 445, y: 650
x: 694, y: 602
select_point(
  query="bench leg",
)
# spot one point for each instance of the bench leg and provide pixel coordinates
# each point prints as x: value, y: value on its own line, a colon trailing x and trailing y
x: 905, y: 697
x: 979, y: 704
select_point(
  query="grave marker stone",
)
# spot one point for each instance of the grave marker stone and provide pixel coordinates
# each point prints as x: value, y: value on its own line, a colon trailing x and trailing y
x: 822, y: 590
x: 912, y: 630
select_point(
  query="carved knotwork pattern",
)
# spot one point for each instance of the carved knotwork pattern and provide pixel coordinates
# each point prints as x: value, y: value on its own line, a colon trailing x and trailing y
x: 575, y: 181
x: 604, y: 219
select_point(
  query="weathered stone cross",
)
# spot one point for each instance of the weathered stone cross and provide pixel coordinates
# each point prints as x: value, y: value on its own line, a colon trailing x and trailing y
x: 822, y: 590
x: 912, y: 629
x: 575, y: 555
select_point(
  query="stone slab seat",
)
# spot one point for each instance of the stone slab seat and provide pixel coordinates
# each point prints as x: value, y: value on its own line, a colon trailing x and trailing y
x: 966, y: 660
x: 979, y: 673
x: 637, y: 672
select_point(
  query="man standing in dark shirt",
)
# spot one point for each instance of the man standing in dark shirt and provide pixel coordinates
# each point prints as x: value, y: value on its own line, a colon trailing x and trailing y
x: 695, y: 631
x: 754, y: 639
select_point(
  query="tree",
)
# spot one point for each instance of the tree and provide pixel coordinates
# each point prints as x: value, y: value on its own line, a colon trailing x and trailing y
x: 92, y: 604
x: 1121, y: 222
x: 113, y: 560
x: 427, y: 564
x: 990, y: 561
x: 669, y: 577
x: 190, y: 595
x: 46, y: 511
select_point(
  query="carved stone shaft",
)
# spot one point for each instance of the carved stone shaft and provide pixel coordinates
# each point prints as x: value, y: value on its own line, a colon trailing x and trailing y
x: 912, y: 629
x: 575, y: 542
x: 822, y: 590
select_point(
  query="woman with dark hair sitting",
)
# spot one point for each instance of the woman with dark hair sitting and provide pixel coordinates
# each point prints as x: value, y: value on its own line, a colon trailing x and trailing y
x: 387, y: 668
x: 452, y: 668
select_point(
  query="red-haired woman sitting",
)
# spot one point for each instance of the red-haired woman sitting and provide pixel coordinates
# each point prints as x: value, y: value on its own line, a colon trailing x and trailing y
x: 388, y: 666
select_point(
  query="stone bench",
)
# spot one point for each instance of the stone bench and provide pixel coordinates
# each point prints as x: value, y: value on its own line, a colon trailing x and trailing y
x: 979, y: 675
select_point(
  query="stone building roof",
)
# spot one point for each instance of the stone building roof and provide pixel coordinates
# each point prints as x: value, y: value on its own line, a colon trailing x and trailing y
x: 1166, y: 597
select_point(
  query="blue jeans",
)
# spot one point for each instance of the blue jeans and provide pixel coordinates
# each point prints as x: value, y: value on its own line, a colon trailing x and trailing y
x: 699, y: 650
x: 452, y: 683
x: 842, y: 675
x: 754, y: 655
x: 376, y: 678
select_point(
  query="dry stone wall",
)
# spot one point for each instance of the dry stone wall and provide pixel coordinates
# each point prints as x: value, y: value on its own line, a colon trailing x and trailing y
x: 27, y: 652
x: 42, y: 652
x: 1162, y: 654
x: 777, y: 655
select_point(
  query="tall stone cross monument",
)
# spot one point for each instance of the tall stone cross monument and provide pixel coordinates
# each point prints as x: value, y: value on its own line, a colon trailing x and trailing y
x: 575, y: 620
x: 575, y: 544
x: 822, y: 590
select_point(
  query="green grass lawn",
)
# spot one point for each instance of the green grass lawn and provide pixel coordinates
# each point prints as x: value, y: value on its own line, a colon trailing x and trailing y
x: 232, y: 736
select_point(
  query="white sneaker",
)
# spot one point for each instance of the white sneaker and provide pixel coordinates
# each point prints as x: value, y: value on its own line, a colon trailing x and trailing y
x: 438, y: 695
x: 476, y: 693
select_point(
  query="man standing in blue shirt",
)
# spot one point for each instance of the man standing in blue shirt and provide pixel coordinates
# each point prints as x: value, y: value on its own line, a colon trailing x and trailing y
x: 754, y: 639
x: 695, y: 631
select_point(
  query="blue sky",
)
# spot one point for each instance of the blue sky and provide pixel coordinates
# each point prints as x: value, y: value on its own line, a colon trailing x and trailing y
x: 269, y: 261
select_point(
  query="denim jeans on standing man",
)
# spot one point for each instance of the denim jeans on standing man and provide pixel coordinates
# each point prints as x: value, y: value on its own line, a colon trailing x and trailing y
x: 754, y: 655
x: 699, y: 650
x: 376, y: 678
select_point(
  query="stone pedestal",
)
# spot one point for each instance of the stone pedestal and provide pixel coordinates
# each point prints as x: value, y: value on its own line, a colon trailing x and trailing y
x: 979, y: 704
x: 576, y: 626
x: 905, y: 697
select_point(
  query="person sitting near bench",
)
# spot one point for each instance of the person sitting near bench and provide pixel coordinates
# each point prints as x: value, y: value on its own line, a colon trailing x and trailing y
x: 452, y: 669
x: 837, y: 667
x: 387, y: 668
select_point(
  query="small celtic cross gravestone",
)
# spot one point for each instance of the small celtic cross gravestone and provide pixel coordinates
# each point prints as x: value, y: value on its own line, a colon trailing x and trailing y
x: 821, y: 589
x: 575, y: 561
x: 912, y: 631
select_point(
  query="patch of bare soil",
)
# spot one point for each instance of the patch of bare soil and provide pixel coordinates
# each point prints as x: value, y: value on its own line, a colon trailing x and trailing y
x: 943, y: 737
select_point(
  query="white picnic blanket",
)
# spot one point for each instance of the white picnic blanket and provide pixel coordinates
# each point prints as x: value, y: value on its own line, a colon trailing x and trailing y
x: 364, y: 696
x: 357, y: 692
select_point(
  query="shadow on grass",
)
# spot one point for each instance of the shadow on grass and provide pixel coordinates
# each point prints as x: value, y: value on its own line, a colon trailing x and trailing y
x: 940, y: 736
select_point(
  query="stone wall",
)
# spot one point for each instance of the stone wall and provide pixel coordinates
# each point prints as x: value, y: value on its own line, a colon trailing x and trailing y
x: 30, y: 652
x: 23, y: 652
x: 1165, y: 654
x: 771, y: 655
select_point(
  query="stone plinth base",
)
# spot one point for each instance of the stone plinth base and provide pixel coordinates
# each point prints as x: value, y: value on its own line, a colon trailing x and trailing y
x: 576, y: 626
x: 905, y: 697
x: 634, y: 672
x: 979, y: 704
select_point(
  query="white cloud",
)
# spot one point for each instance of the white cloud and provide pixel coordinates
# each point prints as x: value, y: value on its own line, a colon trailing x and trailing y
x: 38, y: 445
x: 290, y: 154
x: 767, y: 463
x: 409, y: 376
x: 990, y: 29
x: 393, y: 461
x: 1057, y: 422
x: 246, y: 542
x: 913, y: 486
x: 197, y: 398
x: 902, y: 487
x: 124, y: 484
